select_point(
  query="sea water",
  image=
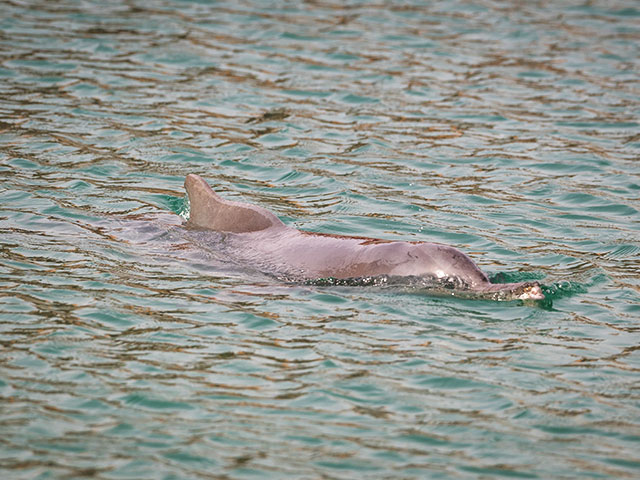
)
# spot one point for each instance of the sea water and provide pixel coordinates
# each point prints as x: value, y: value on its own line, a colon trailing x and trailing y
x: 506, y: 129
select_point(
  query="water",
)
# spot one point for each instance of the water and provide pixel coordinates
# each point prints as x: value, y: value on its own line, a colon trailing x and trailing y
x: 507, y: 130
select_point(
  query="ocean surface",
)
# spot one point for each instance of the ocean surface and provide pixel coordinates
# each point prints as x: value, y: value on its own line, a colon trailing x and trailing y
x: 129, y: 349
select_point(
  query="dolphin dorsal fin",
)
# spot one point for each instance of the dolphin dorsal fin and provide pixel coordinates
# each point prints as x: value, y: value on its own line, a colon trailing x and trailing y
x: 208, y: 210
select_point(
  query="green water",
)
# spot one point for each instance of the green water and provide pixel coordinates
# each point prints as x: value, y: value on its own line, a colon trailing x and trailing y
x: 507, y: 130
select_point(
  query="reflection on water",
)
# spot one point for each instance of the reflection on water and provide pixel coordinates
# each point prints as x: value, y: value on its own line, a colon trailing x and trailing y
x: 508, y: 130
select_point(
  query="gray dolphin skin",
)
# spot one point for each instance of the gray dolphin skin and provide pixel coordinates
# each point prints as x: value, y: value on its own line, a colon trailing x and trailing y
x: 256, y: 236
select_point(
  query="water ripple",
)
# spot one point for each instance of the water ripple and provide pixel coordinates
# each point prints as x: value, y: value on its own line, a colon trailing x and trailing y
x: 509, y: 131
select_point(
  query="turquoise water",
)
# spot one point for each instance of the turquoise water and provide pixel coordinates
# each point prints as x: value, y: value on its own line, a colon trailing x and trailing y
x: 129, y: 351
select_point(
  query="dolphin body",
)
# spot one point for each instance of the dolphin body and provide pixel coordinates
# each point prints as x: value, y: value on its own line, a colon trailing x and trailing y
x: 255, y: 236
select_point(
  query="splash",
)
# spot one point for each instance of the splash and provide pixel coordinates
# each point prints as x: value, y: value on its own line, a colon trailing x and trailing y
x: 552, y: 291
x: 433, y: 286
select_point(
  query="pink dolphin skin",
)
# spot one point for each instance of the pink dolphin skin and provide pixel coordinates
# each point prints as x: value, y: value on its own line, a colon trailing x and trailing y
x: 259, y: 237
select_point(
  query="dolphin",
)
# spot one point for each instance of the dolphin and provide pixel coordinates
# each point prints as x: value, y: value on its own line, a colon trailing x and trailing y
x: 255, y: 236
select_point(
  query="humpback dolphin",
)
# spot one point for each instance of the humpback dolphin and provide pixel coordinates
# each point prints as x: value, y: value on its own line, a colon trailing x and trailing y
x: 256, y: 236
